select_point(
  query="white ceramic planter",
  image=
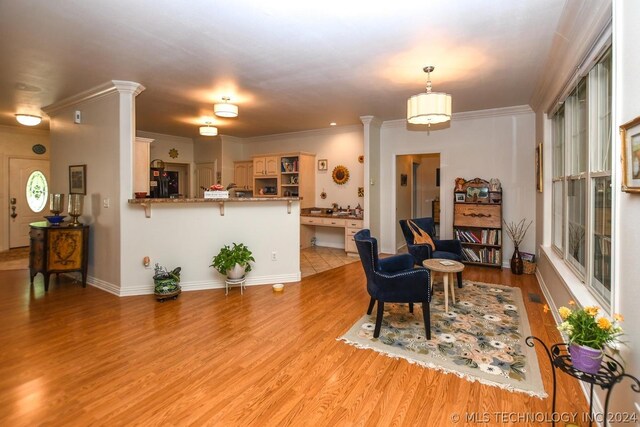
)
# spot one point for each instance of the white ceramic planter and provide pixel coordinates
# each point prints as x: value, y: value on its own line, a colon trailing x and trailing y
x: 236, y: 272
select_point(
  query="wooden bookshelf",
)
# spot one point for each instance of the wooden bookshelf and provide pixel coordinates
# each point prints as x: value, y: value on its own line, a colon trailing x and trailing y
x: 477, y: 222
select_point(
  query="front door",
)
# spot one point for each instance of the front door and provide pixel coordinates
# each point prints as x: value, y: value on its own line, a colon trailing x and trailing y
x: 28, y: 197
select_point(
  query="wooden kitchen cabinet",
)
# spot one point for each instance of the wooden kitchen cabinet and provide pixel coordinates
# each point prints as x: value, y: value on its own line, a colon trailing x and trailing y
x: 265, y: 166
x: 243, y: 174
x: 58, y: 249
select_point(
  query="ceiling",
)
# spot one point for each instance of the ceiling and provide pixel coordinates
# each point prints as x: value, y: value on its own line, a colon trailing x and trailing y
x: 288, y: 65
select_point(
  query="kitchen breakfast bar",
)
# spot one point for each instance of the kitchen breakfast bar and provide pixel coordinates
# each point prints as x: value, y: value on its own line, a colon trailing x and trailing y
x: 188, y: 232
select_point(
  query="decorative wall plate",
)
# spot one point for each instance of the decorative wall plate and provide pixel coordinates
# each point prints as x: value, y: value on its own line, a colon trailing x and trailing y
x: 173, y: 153
x: 39, y: 149
x: 340, y: 175
x: 361, y: 159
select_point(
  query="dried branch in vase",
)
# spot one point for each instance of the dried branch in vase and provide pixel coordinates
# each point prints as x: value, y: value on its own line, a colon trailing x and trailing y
x: 517, y: 231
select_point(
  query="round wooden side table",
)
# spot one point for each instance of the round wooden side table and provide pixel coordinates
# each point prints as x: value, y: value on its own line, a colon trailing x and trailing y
x: 448, y: 268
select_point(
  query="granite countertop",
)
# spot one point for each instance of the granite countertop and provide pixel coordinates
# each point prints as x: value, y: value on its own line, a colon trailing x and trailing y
x: 323, y: 214
x: 200, y: 200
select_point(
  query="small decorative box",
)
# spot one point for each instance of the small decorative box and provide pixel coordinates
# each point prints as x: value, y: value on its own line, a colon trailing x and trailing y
x: 216, y: 194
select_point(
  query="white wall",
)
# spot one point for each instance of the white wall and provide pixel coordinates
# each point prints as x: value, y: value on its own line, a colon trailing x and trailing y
x: 190, y: 235
x: 404, y: 166
x: 94, y: 142
x: 627, y: 230
x: 15, y: 142
x: 486, y: 144
x: 427, y: 190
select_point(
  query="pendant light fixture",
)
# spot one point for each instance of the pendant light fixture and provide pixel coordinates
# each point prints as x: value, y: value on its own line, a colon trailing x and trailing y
x: 429, y: 108
x: 208, y: 130
x: 28, y: 119
x: 225, y: 109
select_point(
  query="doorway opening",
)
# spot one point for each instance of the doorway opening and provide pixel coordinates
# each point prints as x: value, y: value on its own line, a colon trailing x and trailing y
x: 417, y: 190
x: 179, y: 183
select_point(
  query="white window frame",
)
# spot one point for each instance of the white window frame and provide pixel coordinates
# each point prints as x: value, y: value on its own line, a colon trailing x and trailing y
x: 568, y: 174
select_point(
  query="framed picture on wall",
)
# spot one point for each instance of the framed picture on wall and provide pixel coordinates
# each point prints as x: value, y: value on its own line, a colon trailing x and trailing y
x: 78, y: 179
x: 630, y: 134
x: 460, y: 197
x: 323, y: 164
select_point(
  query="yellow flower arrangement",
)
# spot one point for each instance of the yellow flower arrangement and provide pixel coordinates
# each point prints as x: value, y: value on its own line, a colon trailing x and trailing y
x: 585, y: 327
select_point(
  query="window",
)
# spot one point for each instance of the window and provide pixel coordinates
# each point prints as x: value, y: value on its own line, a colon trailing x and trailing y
x: 37, y: 191
x: 581, y: 189
x: 557, y: 224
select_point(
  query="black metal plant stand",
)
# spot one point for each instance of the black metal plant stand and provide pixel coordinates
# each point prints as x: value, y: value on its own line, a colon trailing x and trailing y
x: 611, y: 372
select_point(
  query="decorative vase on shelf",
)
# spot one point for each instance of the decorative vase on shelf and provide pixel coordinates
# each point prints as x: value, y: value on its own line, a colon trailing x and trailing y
x: 585, y: 359
x: 517, y: 267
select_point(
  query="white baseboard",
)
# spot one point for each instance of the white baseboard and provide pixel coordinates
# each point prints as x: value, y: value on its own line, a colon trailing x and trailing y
x: 147, y: 289
x: 102, y: 285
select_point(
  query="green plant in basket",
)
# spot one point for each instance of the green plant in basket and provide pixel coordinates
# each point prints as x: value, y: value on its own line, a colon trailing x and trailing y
x: 228, y: 257
x: 166, y: 282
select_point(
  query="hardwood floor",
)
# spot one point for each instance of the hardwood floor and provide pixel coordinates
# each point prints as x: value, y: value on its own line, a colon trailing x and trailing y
x: 80, y: 356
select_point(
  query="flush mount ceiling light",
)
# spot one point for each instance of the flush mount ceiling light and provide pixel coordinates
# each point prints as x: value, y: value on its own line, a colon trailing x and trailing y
x: 429, y: 108
x: 28, y: 119
x: 208, y: 130
x: 225, y: 109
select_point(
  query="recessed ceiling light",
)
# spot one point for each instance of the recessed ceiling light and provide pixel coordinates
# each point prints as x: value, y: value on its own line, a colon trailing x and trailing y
x: 332, y: 124
x: 28, y: 119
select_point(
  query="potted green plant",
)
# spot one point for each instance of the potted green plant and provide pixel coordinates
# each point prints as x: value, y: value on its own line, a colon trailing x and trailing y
x: 166, y: 283
x: 233, y: 261
x: 588, y: 333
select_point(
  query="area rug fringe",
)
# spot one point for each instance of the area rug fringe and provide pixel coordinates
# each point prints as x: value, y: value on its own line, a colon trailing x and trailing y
x: 439, y: 368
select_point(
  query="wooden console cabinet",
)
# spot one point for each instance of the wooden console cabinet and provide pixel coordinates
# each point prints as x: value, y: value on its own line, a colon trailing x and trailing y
x: 58, y: 249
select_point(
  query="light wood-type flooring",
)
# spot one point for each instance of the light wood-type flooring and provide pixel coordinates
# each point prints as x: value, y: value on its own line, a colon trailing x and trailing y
x: 79, y: 356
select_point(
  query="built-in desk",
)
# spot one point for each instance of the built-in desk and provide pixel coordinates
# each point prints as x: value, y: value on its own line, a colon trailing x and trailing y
x: 351, y: 225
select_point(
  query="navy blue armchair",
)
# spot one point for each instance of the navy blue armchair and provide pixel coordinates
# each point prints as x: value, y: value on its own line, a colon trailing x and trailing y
x: 447, y: 249
x: 393, y: 279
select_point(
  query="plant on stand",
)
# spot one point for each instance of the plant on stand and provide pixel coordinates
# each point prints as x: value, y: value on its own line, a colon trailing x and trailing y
x: 588, y: 334
x: 233, y: 261
x: 516, y: 232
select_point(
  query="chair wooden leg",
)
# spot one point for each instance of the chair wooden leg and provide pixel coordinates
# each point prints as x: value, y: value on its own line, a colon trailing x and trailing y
x: 459, y: 279
x: 427, y: 318
x: 376, y: 331
x: 371, y: 304
x: 411, y: 307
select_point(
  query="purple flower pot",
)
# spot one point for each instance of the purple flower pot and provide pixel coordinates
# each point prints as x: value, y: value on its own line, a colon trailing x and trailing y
x: 585, y: 358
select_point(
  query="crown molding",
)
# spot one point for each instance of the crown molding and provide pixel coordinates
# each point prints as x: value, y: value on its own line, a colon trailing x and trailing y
x: 326, y: 131
x: 471, y: 115
x: 24, y: 130
x: 371, y: 120
x: 104, y: 89
x: 156, y: 136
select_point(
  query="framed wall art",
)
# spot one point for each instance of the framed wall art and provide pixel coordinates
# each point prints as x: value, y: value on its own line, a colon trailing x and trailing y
x: 630, y: 134
x: 78, y: 179
x: 323, y: 164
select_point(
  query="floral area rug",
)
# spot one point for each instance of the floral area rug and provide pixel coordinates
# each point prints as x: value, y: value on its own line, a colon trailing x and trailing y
x: 480, y: 339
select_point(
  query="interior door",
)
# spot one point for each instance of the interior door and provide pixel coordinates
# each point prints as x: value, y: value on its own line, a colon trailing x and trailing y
x: 205, y: 176
x: 22, y: 212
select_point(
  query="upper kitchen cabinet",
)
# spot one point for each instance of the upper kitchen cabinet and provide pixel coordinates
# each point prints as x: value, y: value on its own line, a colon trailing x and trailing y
x: 265, y: 166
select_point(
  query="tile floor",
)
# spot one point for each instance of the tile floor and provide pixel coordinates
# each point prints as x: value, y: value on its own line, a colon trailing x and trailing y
x: 319, y: 258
